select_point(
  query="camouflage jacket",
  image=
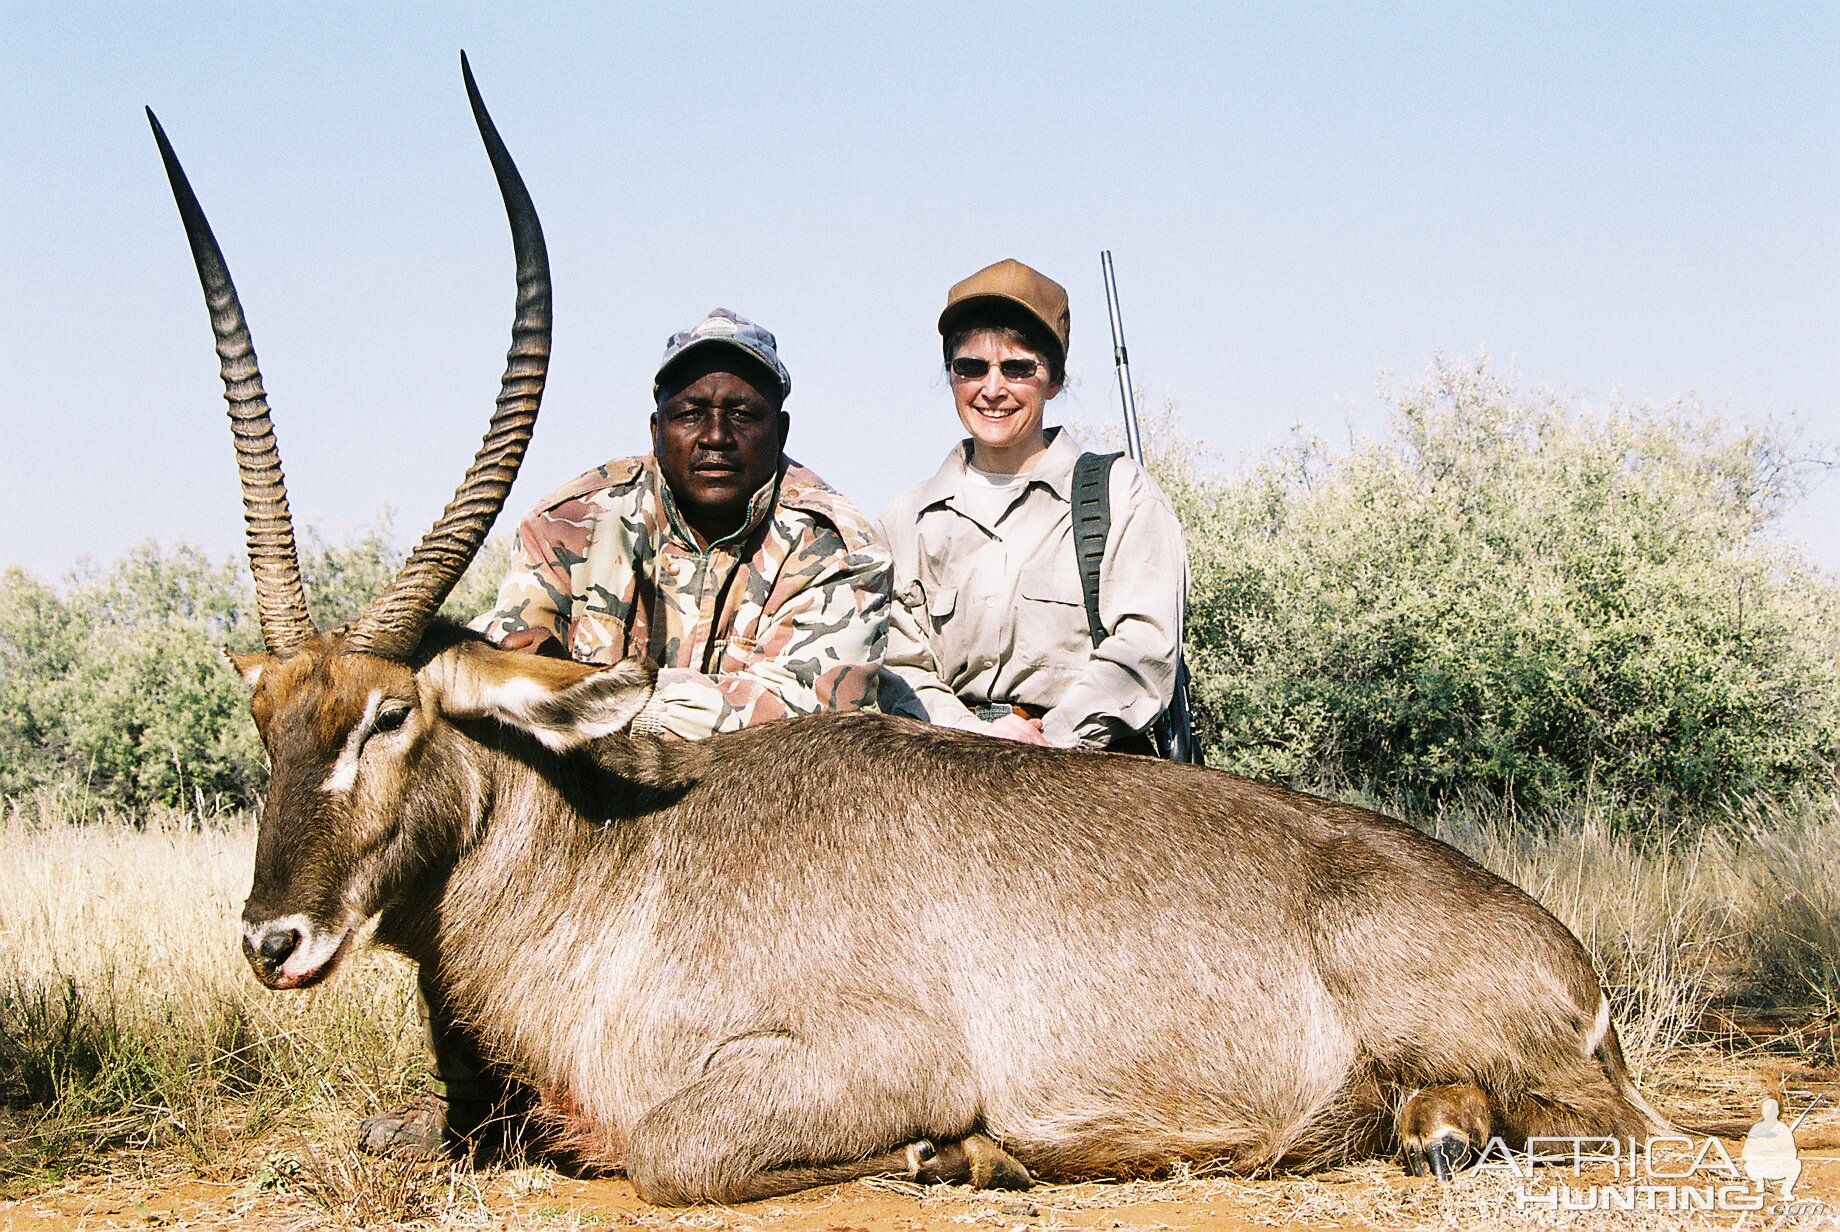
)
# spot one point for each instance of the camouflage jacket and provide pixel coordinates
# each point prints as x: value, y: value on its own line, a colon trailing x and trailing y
x: 786, y: 616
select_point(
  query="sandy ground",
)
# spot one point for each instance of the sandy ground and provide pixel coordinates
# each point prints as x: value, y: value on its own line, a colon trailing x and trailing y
x: 1372, y: 1196
x: 315, y: 1186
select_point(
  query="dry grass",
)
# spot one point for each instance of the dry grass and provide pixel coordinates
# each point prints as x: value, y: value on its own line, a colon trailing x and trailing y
x: 134, y: 1043
x: 129, y: 1021
x: 1744, y: 913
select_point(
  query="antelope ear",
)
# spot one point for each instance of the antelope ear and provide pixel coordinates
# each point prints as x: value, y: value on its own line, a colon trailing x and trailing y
x: 562, y: 704
x: 598, y: 705
x: 249, y: 665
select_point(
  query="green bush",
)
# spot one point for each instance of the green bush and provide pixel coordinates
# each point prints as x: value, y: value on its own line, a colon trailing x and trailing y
x: 119, y: 683
x: 39, y: 641
x: 1510, y: 597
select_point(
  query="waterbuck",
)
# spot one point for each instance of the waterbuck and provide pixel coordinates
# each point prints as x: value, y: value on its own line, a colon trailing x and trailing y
x: 825, y: 948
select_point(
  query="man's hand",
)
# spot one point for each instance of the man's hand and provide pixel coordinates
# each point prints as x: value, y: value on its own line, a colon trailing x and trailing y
x: 1015, y: 727
x: 534, y: 641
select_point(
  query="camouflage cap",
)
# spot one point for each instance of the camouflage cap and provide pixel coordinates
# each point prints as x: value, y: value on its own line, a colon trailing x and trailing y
x: 725, y: 328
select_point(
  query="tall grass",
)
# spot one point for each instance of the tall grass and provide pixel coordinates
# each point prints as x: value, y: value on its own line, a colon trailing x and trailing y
x: 128, y: 1019
x: 1745, y: 912
x: 129, y: 1022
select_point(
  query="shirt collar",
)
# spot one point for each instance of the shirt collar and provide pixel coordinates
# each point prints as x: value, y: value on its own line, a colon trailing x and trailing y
x: 1053, y: 471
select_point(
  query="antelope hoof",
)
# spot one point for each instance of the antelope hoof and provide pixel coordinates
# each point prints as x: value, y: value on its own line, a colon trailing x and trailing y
x: 1446, y: 1156
x: 1441, y: 1127
x: 919, y: 1155
x: 975, y: 1161
x: 992, y: 1167
x: 947, y: 1165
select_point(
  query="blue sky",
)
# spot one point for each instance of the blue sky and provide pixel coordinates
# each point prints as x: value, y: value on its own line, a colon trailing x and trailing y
x: 1633, y: 200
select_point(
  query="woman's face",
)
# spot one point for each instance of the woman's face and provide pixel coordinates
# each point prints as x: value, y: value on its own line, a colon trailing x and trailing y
x: 1002, y: 414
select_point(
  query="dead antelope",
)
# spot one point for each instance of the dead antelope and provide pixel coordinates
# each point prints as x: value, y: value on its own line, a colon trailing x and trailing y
x: 806, y: 951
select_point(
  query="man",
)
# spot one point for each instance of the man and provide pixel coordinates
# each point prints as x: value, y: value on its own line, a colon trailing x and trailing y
x: 757, y: 589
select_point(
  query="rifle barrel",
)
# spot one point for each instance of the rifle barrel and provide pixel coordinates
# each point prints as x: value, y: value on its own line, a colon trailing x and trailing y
x: 1175, y: 729
x: 1812, y: 1105
x: 1133, y: 439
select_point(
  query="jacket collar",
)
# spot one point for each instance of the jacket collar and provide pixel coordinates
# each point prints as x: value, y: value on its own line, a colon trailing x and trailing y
x: 759, y: 506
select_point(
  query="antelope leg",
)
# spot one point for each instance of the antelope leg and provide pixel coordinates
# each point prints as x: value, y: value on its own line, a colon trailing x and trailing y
x: 977, y: 1161
x: 772, y: 1113
x: 1442, y: 1128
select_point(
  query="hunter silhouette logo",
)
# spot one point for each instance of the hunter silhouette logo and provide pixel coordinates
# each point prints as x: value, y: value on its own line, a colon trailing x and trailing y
x: 1769, y: 1152
x: 1668, y: 1172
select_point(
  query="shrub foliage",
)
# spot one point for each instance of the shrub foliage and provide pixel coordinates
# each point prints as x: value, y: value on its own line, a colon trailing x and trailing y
x: 118, y: 681
x: 1510, y: 597
x: 1503, y: 596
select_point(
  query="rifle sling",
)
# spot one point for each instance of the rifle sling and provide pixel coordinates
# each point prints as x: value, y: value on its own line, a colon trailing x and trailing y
x: 1092, y: 525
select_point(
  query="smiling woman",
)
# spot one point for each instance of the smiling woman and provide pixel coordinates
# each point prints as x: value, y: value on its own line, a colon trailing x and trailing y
x: 994, y: 629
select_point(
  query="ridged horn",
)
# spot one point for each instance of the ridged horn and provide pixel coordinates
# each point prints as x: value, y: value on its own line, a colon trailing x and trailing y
x: 281, y: 603
x: 392, y: 626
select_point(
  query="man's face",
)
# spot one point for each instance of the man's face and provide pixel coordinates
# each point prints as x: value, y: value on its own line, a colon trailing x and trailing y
x: 717, y: 434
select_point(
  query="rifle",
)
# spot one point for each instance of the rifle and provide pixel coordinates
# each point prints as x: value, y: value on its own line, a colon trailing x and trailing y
x: 1174, y: 730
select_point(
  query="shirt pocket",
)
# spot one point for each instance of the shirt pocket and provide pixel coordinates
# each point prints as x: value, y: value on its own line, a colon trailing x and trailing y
x: 1051, y: 629
x: 941, y: 603
x: 595, y: 638
x: 734, y: 654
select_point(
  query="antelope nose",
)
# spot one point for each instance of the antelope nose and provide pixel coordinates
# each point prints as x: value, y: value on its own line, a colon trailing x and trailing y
x: 274, y: 944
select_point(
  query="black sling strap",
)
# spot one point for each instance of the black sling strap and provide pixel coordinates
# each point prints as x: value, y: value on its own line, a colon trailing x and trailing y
x: 1092, y: 525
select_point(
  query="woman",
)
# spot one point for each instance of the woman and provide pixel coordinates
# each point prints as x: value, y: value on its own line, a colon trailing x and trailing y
x: 989, y: 627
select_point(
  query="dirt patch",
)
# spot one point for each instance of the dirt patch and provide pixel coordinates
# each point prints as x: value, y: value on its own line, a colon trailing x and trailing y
x: 1373, y: 1196
x: 312, y: 1185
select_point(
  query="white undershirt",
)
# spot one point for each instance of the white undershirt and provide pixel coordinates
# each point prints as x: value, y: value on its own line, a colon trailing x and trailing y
x: 988, y: 495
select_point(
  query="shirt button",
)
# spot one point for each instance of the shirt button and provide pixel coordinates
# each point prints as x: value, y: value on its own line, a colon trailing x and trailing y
x: 991, y: 601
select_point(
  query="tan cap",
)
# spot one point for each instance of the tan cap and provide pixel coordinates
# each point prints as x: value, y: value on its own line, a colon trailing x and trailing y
x: 1012, y: 282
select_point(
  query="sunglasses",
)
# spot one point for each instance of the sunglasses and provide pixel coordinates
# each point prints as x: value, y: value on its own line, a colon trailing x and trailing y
x: 968, y: 369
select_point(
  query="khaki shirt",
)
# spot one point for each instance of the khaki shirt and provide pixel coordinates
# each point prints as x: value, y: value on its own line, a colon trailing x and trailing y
x: 989, y: 613
x: 786, y: 616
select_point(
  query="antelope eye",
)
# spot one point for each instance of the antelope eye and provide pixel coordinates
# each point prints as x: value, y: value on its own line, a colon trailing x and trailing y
x: 390, y: 720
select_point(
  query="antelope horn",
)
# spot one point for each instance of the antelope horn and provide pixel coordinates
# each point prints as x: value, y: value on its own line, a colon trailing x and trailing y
x: 392, y: 626
x: 281, y: 603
